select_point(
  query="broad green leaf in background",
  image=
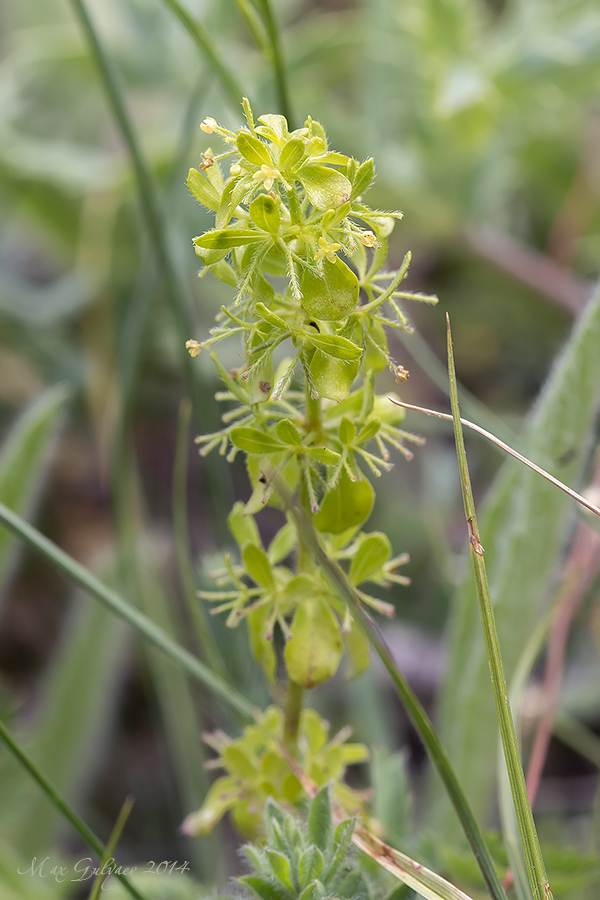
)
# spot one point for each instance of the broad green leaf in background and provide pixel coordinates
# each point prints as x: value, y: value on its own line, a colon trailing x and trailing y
x: 23, y: 461
x: 523, y: 531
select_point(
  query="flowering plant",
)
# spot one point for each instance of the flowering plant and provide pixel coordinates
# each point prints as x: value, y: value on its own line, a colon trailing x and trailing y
x: 305, y: 257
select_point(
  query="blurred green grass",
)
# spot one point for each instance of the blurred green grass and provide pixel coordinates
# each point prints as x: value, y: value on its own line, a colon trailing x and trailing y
x: 483, y: 119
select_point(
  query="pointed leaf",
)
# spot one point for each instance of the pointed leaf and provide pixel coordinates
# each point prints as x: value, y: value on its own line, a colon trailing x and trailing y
x: 319, y: 820
x: 324, y: 455
x: 310, y: 865
x: 363, y: 179
x: 203, y: 190
x: 347, y: 431
x: 243, y: 527
x: 334, y: 345
x: 227, y: 239
x: 258, y: 566
x: 261, y: 643
x: 292, y: 154
x: 265, y: 889
x: 373, y: 552
x: 252, y: 440
x: 253, y: 149
x: 288, y: 433
x: 281, y: 868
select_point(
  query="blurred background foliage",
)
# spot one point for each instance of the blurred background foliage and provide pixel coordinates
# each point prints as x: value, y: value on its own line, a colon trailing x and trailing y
x: 483, y: 117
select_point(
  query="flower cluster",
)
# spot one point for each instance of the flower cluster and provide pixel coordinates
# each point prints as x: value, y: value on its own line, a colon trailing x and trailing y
x: 305, y: 259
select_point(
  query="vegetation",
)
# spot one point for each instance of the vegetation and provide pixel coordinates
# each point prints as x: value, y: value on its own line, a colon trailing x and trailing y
x: 478, y: 120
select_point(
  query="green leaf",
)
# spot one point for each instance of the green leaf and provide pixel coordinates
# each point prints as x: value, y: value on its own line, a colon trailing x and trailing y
x: 283, y: 543
x: 332, y: 295
x: 203, y: 190
x: 292, y: 154
x: 319, y: 820
x: 334, y: 345
x: 23, y: 462
x: 346, y: 431
x: 288, y: 433
x: 269, y: 316
x: 252, y: 440
x: 331, y: 378
x: 253, y: 149
x: 265, y: 889
x: 368, y: 431
x: 363, y: 179
x: 324, y: 455
x: 243, y: 527
x: 260, y: 644
x: 325, y: 188
x: 310, y: 865
x: 237, y: 762
x: 227, y: 239
x: 357, y: 648
x: 260, y: 382
x: 373, y: 552
x: 258, y: 566
x: 523, y: 529
x: 265, y: 214
x: 349, y: 504
x: 276, y: 124
x: 281, y: 868
x: 313, y: 653
x: 342, y: 838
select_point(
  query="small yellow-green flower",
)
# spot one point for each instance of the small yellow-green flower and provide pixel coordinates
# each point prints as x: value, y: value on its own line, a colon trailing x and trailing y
x: 327, y: 251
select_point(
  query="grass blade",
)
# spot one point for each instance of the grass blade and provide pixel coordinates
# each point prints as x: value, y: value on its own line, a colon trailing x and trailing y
x: 22, y: 462
x: 203, y: 40
x: 145, y: 627
x: 524, y: 528
x: 67, y: 735
x: 531, y: 847
x: 111, y: 846
x: 508, y: 449
x: 93, y: 842
x: 285, y: 106
x: 150, y: 205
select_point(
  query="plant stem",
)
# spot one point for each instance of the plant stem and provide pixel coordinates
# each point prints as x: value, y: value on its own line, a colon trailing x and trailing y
x: 293, y: 709
x: 536, y: 871
x: 312, y: 421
